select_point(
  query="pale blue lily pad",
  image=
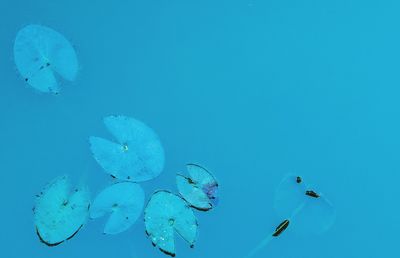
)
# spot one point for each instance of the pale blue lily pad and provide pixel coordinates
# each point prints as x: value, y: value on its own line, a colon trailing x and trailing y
x: 165, y: 214
x: 136, y: 154
x: 124, y: 202
x: 60, y: 212
x: 41, y: 54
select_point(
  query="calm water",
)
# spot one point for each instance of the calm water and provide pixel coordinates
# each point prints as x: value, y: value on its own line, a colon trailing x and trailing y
x: 251, y: 89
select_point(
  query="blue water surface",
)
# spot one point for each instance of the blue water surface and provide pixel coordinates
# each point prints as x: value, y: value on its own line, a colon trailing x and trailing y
x: 251, y: 89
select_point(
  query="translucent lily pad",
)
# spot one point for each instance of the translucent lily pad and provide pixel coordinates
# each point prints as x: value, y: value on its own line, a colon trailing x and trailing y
x: 200, y: 175
x: 41, y: 54
x: 195, y: 196
x: 165, y: 214
x: 123, y: 201
x: 199, y: 189
x: 309, y: 211
x: 137, y: 155
x: 60, y: 213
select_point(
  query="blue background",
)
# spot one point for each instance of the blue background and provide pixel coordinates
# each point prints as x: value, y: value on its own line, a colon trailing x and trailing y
x: 250, y: 89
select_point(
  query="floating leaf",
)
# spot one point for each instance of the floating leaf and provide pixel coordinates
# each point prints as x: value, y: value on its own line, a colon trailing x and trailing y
x: 165, y: 214
x: 59, y: 213
x: 124, y: 201
x: 40, y: 54
x: 199, y: 189
x: 136, y: 156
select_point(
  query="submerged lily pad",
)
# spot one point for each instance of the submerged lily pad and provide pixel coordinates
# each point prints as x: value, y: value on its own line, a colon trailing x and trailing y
x: 124, y: 201
x: 137, y: 155
x: 165, y: 214
x: 60, y: 213
x: 41, y: 54
x: 310, y: 211
x: 303, y: 210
